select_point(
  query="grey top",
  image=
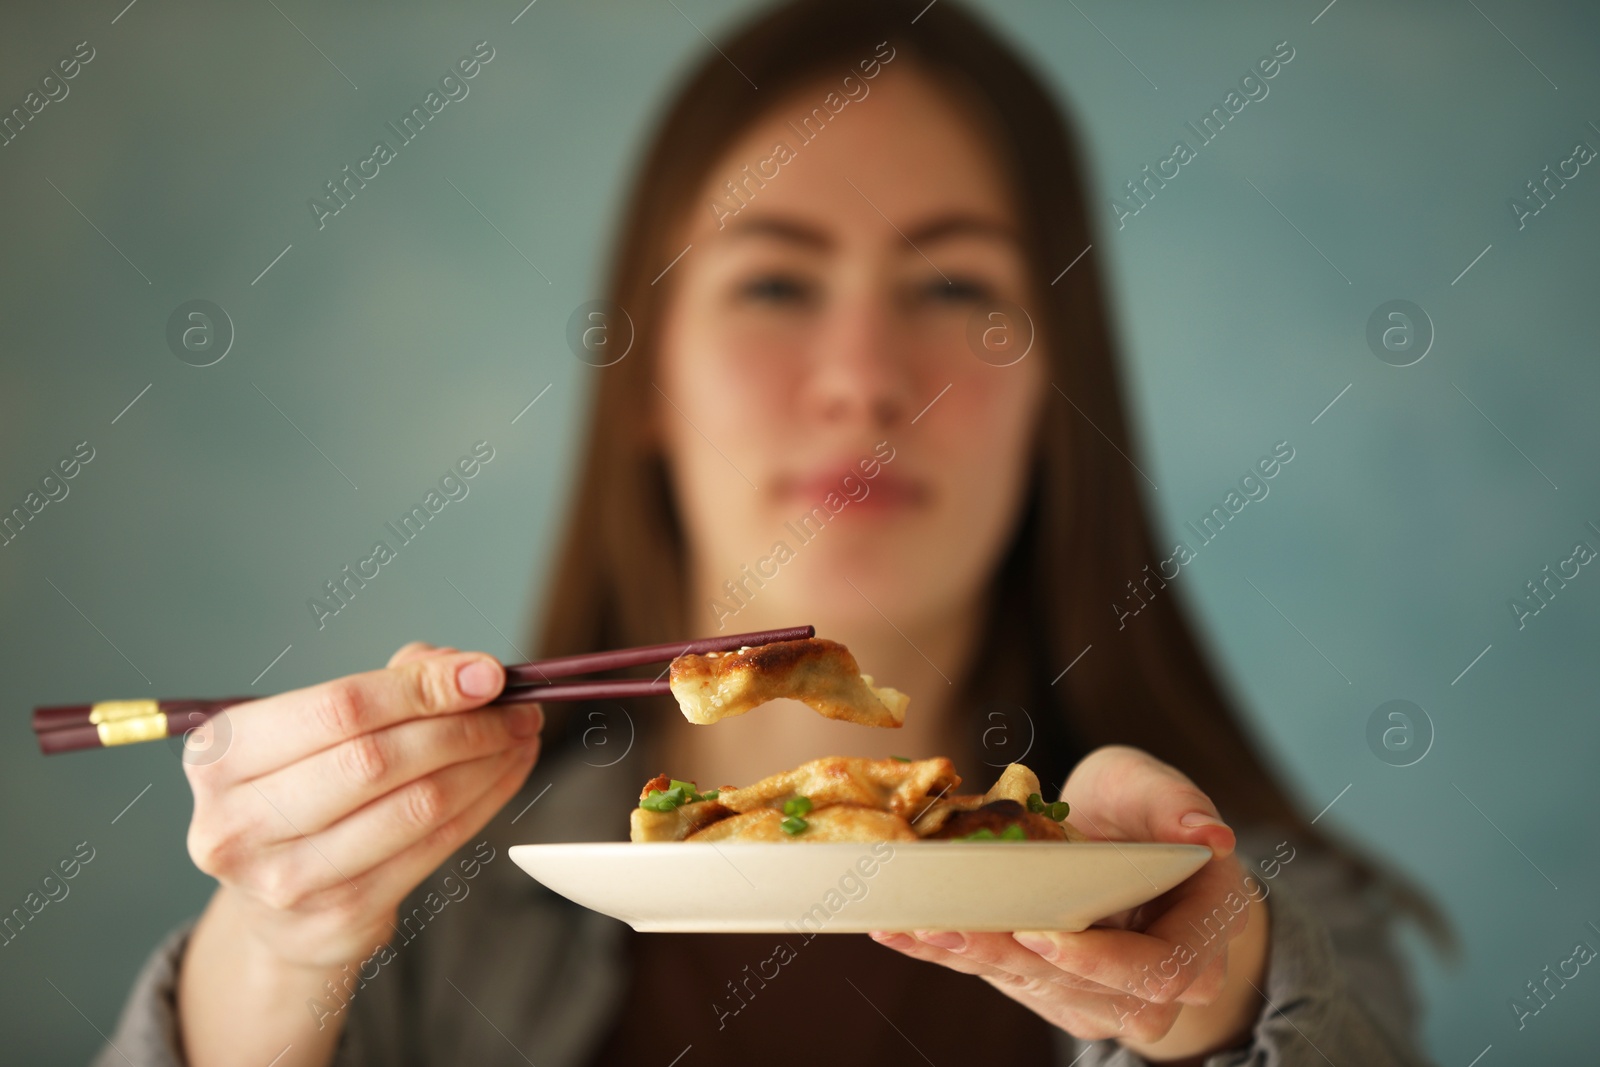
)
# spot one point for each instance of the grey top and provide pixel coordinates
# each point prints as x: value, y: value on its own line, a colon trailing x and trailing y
x: 505, y: 972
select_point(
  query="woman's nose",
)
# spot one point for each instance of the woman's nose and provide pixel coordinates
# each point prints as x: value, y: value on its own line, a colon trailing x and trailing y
x: 859, y: 370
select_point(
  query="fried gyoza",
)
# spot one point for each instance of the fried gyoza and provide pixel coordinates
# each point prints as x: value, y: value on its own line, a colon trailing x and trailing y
x: 995, y: 817
x: 833, y: 799
x: 849, y: 799
x: 1005, y: 803
x: 889, y: 785
x: 841, y: 822
x: 820, y: 673
x: 675, y: 825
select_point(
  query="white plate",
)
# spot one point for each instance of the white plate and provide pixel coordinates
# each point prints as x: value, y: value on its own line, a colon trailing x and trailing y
x: 852, y: 888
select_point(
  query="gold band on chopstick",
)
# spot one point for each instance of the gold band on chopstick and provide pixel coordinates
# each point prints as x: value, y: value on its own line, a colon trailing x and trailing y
x: 108, y: 711
x: 129, y: 731
x: 124, y: 722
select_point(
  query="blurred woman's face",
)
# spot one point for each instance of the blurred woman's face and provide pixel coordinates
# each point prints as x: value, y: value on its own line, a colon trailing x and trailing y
x: 826, y: 420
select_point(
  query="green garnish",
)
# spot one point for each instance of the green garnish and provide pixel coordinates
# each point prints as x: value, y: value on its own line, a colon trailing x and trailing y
x: 1013, y: 832
x: 796, y: 808
x: 664, y: 800
x: 675, y: 796
x: 711, y: 795
x: 902, y: 759
x: 1057, y: 810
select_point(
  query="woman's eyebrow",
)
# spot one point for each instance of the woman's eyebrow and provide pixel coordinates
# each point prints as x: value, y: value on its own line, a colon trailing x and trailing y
x: 938, y: 228
x: 960, y: 225
x: 787, y: 230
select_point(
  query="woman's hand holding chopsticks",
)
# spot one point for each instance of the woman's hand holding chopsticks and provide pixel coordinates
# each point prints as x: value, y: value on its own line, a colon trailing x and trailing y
x: 329, y: 806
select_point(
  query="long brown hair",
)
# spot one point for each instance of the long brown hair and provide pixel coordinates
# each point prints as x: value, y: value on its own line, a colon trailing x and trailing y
x: 1083, y: 532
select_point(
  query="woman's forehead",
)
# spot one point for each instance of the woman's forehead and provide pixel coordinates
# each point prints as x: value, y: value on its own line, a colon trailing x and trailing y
x: 902, y: 154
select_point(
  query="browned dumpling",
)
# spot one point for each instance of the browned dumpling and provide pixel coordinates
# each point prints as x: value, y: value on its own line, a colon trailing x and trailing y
x: 841, y: 822
x: 948, y: 816
x: 849, y: 799
x: 837, y: 798
x: 903, y: 788
x: 996, y: 817
x: 677, y: 824
x: 820, y: 673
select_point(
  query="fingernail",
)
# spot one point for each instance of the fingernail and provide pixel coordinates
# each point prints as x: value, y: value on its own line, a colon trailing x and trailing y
x: 1045, y: 947
x: 891, y: 940
x: 523, y: 720
x: 945, y: 939
x: 478, y: 679
x: 1200, y: 818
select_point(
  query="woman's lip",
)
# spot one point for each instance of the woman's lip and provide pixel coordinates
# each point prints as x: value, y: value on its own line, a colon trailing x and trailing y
x: 850, y: 484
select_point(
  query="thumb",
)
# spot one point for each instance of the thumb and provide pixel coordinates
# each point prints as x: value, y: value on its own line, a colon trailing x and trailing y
x: 1201, y: 825
x: 1125, y: 792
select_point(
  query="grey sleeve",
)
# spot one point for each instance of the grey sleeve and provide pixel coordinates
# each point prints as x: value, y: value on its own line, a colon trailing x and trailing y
x: 147, y: 1030
x: 1335, y: 989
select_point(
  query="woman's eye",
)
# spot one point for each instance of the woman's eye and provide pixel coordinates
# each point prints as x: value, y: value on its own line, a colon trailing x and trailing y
x: 956, y: 290
x: 775, y: 289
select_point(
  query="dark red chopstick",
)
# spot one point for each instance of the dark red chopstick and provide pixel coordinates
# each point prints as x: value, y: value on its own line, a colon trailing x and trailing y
x: 70, y: 727
x: 596, y: 689
x: 592, y: 662
x: 121, y: 722
x: 65, y: 716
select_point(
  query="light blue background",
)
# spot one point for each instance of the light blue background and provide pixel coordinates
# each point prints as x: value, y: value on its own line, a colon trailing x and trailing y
x: 408, y: 328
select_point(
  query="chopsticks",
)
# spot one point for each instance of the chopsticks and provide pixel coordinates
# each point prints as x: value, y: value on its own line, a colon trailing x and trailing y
x: 70, y: 727
x: 589, y: 662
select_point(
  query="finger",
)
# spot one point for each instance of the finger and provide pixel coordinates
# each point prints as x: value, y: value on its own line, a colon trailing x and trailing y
x: 397, y: 875
x: 350, y: 848
x: 416, y: 650
x: 316, y: 792
x: 1119, y: 793
x: 275, y: 732
x: 331, y: 911
x: 1086, y: 1014
x: 1207, y: 985
x: 992, y: 954
x: 415, y: 811
x: 1162, y: 961
x: 1092, y: 1017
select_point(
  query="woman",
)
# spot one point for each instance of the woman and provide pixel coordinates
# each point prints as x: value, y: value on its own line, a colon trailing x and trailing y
x: 856, y: 399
